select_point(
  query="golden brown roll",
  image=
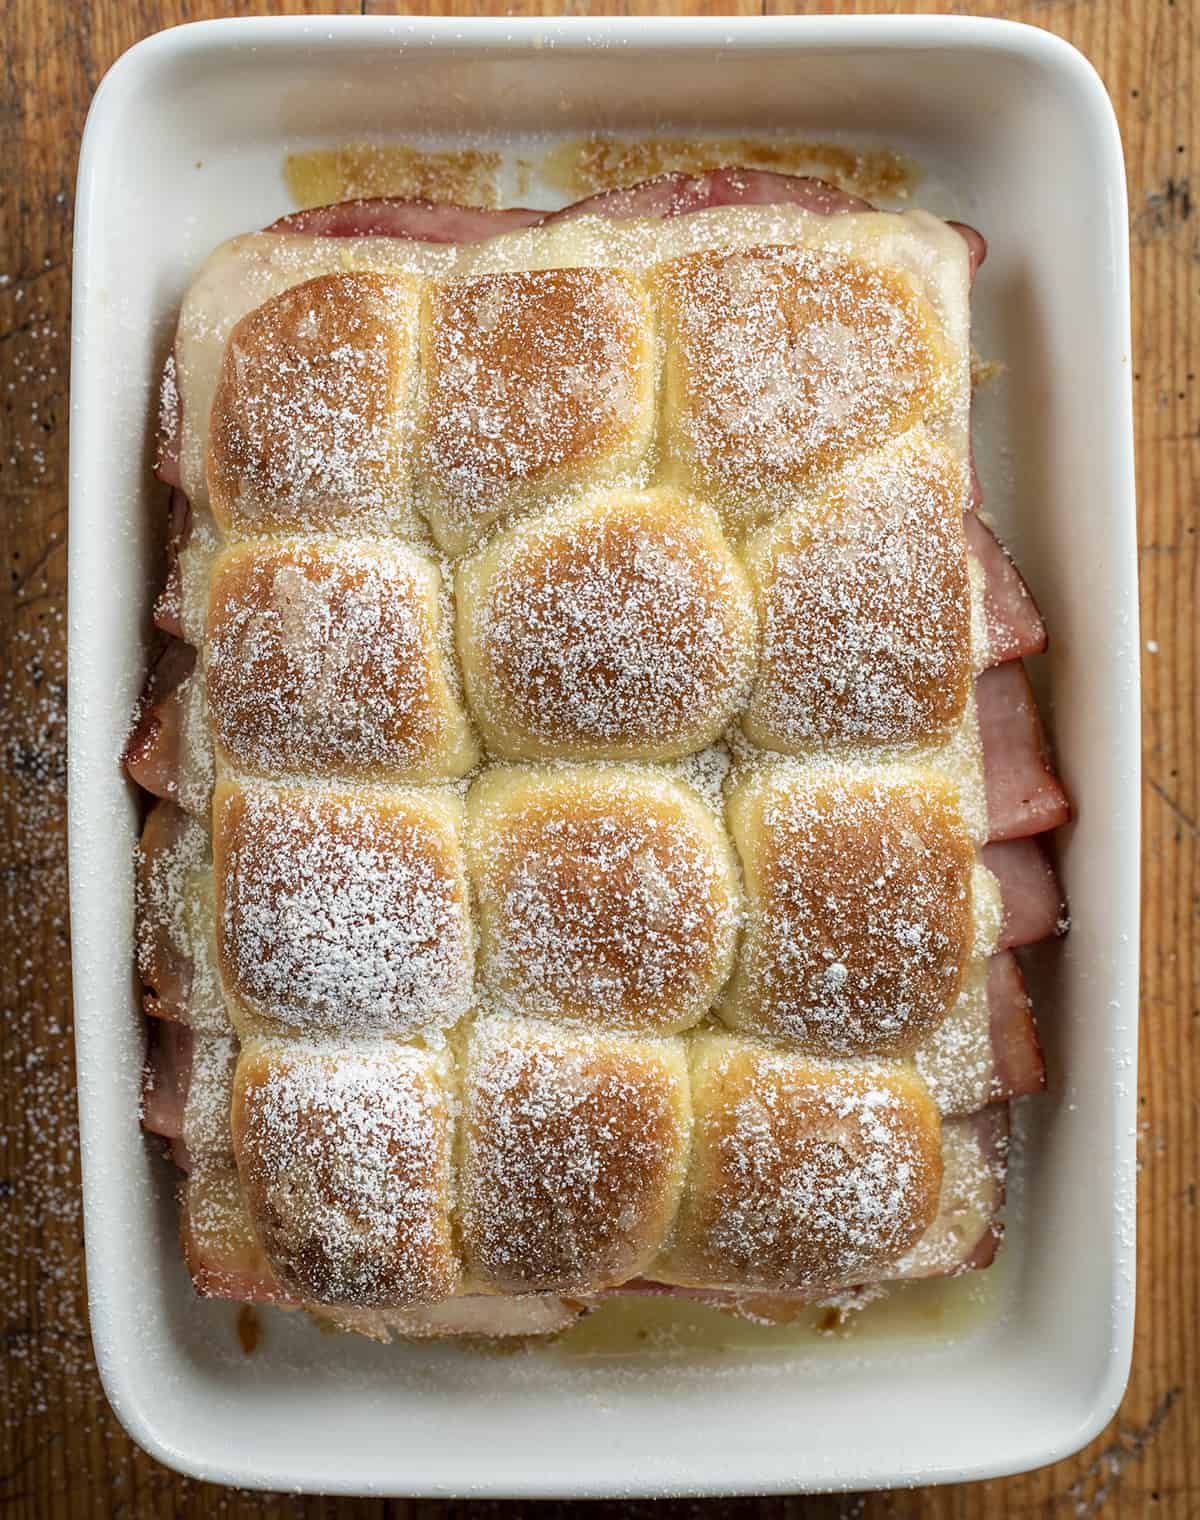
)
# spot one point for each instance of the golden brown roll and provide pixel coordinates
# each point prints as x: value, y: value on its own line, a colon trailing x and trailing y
x: 311, y: 419
x: 864, y: 606
x: 341, y: 912
x: 859, y: 920
x: 326, y: 658
x: 620, y: 626
x: 574, y: 1149
x: 536, y: 382
x: 782, y: 362
x: 605, y: 895
x: 345, y: 1156
x: 804, y: 1173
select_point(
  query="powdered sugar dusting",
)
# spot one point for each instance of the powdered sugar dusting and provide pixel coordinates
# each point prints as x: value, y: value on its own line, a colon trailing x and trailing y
x: 168, y: 400
x: 974, y: 1162
x: 784, y: 362
x: 206, y: 1121
x: 573, y: 1155
x: 866, y: 604
x: 47, y: 1343
x: 531, y: 376
x: 605, y: 896
x: 342, y: 913
x: 805, y: 1174
x: 860, y: 917
x: 623, y: 627
x: 956, y: 1061
x: 308, y: 424
x: 347, y: 1156
x: 323, y: 657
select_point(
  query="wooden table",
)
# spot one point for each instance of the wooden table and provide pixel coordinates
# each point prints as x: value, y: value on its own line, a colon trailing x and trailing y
x: 63, y: 1451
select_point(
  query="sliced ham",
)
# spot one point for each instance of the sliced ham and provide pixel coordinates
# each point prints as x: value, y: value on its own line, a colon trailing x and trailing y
x: 423, y: 221
x: 667, y: 195
x: 165, y: 968
x: 1014, y: 624
x: 168, y: 606
x: 166, y: 1076
x: 1032, y: 903
x: 678, y: 194
x: 1018, y: 1065
x: 1024, y: 796
x: 152, y: 751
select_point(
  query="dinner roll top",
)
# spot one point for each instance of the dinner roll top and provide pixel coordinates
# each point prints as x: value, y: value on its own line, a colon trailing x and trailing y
x: 328, y: 658
x: 535, y: 382
x: 864, y: 600
x: 804, y: 1174
x: 607, y: 896
x: 341, y: 913
x: 783, y: 362
x: 860, y: 913
x: 311, y: 424
x: 618, y: 626
x: 345, y: 1155
x: 573, y: 1152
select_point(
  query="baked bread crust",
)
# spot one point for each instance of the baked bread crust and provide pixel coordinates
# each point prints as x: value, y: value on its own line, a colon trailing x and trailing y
x: 644, y: 503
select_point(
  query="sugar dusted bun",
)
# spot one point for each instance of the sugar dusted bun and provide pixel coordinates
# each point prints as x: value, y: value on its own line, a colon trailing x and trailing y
x: 536, y: 382
x: 804, y: 1174
x: 341, y: 913
x: 605, y: 895
x: 621, y: 626
x: 345, y: 1157
x: 574, y: 1147
x: 865, y: 609
x: 782, y: 362
x: 859, y: 919
x: 326, y: 658
x: 311, y: 426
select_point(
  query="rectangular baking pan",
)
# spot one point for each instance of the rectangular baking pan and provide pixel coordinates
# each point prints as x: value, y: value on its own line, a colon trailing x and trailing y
x: 184, y: 147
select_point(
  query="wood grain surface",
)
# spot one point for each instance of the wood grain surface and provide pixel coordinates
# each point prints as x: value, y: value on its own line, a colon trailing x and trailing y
x: 62, y: 1452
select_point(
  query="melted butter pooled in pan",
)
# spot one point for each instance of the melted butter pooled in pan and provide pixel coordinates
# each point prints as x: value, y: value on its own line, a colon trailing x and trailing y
x: 586, y: 165
x: 579, y: 167
x: 354, y: 171
x: 922, y: 1315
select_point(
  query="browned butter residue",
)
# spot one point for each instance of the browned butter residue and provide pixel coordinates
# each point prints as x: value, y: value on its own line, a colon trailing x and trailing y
x: 354, y: 171
x: 249, y: 1329
x: 586, y: 165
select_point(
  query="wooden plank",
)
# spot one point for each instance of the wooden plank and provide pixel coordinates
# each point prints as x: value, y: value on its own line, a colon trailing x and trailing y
x: 63, y: 1453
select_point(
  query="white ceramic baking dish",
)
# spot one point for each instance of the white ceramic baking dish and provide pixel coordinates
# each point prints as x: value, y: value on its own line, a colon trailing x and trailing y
x: 184, y: 147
